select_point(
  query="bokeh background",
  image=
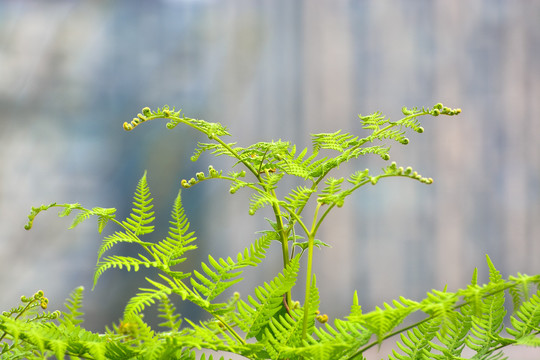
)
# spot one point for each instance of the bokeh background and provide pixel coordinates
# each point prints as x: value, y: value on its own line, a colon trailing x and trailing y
x: 71, y: 72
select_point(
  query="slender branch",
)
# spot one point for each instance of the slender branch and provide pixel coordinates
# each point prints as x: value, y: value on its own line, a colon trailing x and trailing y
x: 311, y: 239
x: 229, y: 328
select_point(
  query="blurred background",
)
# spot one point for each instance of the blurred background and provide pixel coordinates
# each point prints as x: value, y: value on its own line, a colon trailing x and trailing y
x: 71, y: 72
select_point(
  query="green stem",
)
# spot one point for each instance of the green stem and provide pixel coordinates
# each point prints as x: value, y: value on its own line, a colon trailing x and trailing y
x: 284, y: 243
x: 235, y: 154
x: 311, y: 239
x: 229, y: 329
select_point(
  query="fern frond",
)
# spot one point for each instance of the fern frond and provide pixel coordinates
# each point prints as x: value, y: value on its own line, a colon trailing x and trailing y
x: 527, y: 318
x: 68, y: 208
x: 416, y: 344
x: 474, y: 294
x: 270, y: 181
x: 333, y: 141
x: 252, y: 318
x: 118, y: 237
x: 340, y: 341
x: 210, y: 357
x: 36, y: 210
x: 167, y: 311
x: 208, y: 128
x: 141, y: 216
x: 172, y: 249
x: 397, y: 135
x: 327, y: 165
x: 238, y: 184
x: 382, y: 321
x: 259, y: 200
x: 355, y: 313
x: 224, y: 273
x: 282, y: 334
x: 522, y: 285
x: 440, y: 305
x: 374, y: 121
x: 486, y: 329
x: 313, y: 306
x: 331, y: 194
x: 298, y: 166
x: 210, y: 335
x: 73, y: 304
x: 394, y: 170
x: 299, y: 197
x: 529, y: 340
x: 216, y: 149
x: 452, y: 340
x: 121, y: 262
x: 264, y: 156
x: 176, y: 118
x: 65, y: 339
x: 146, y: 298
x: 103, y: 214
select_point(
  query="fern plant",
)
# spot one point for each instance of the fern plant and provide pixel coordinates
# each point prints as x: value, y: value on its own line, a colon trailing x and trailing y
x: 269, y: 324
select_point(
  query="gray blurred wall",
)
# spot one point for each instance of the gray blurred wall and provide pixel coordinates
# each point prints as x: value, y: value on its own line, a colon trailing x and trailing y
x: 71, y: 72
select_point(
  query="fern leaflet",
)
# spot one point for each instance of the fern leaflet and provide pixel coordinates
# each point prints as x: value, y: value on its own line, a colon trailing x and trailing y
x: 141, y: 216
x: 73, y: 305
x: 225, y: 274
x: 167, y: 311
x: 170, y: 251
x: 255, y: 316
x: 527, y: 318
x: 417, y: 343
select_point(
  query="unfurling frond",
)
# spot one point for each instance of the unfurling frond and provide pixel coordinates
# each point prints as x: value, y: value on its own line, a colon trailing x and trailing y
x: 383, y: 128
x: 176, y: 118
x: 104, y: 214
x: 210, y: 129
x: 394, y: 170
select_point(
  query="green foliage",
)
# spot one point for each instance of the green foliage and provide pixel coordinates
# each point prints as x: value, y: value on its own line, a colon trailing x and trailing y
x: 268, y: 324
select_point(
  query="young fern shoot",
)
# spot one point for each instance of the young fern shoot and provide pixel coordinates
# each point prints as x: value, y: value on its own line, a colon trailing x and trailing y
x: 268, y: 324
x: 269, y: 162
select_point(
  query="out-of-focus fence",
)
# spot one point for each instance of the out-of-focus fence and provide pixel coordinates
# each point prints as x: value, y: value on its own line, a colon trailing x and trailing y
x: 72, y: 72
